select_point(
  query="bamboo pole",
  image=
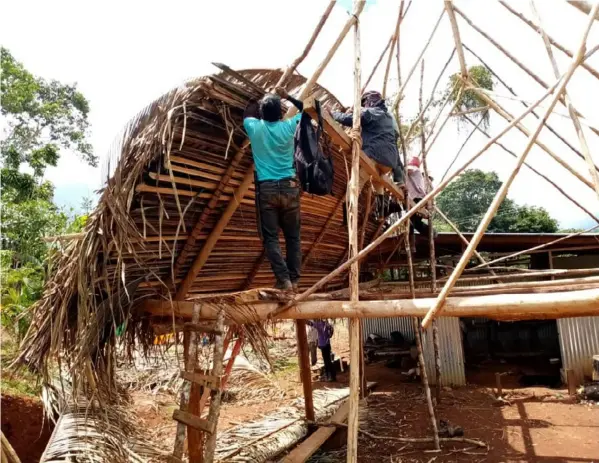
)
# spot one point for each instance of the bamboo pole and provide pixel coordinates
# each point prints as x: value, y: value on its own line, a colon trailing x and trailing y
x: 499, y: 197
x: 307, y: 87
x: 543, y: 176
x: 374, y: 244
x: 393, y: 41
x: 376, y: 66
x: 573, y: 112
x: 585, y: 7
x: 369, y: 200
x: 456, y: 34
x: 399, y: 96
x: 293, y: 66
x: 538, y: 28
x: 353, y: 191
x: 515, y: 60
x: 536, y: 248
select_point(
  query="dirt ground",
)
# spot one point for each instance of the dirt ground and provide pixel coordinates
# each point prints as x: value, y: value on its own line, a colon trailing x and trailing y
x: 24, y: 426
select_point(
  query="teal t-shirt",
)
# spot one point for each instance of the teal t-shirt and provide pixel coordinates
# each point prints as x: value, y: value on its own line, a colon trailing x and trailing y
x: 272, y: 146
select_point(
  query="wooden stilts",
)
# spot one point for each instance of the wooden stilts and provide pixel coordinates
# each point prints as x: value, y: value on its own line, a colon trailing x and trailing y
x: 393, y: 227
x: 573, y: 112
x: 354, y: 273
x: 499, y: 197
x: 304, y: 363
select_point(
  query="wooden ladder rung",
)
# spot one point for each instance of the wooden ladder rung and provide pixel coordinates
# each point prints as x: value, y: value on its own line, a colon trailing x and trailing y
x: 194, y: 421
x: 209, y: 381
x: 202, y: 328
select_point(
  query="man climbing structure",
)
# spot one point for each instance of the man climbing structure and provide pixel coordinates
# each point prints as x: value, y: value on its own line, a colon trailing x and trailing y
x: 277, y: 187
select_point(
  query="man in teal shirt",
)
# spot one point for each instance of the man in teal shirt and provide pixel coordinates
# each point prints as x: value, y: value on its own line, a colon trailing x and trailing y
x: 277, y: 188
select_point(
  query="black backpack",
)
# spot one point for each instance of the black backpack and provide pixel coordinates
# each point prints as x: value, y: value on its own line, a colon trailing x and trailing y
x: 314, y: 169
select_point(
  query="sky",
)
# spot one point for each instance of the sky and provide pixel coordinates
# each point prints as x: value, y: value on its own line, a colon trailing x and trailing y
x: 125, y: 54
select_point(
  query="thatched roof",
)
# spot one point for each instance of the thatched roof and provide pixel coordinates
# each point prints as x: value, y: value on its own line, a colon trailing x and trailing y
x: 169, y: 189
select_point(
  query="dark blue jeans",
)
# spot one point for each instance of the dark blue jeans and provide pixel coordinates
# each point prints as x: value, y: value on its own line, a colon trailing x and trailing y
x: 279, y: 208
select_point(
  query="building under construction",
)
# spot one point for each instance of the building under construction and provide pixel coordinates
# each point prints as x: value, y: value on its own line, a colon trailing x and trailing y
x: 172, y: 248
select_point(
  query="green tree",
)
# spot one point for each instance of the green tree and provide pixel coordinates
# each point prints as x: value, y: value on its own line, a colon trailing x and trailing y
x: 42, y: 117
x: 466, y: 200
x: 467, y: 99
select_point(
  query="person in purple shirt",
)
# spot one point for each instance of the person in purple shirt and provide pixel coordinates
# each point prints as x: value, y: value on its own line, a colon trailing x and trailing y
x: 325, y: 332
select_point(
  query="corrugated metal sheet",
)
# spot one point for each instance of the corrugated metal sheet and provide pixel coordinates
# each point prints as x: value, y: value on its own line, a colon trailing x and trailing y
x: 579, y: 341
x: 451, y: 352
x: 450, y: 344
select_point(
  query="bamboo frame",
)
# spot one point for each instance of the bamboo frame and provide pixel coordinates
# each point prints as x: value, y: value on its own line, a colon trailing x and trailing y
x: 393, y: 41
x: 374, y: 244
x: 499, y: 197
x: 573, y: 112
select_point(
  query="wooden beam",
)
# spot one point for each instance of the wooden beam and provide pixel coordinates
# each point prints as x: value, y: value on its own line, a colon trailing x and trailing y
x: 500, y: 307
x: 194, y: 421
x: 212, y: 239
x: 343, y: 141
x: 308, y: 447
x: 304, y: 364
x: 501, y: 194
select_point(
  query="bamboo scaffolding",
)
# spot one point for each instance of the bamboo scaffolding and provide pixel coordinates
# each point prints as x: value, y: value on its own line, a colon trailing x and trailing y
x: 573, y: 112
x: 399, y: 96
x: 499, y: 197
x: 391, y: 230
x: 353, y: 191
x: 449, y: 8
x: 307, y: 87
x: 377, y: 64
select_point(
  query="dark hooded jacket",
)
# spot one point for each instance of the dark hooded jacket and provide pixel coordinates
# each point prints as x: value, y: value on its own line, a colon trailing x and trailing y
x: 379, y: 131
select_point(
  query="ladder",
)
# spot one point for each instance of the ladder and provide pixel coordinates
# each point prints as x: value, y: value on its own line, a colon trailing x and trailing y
x: 194, y: 382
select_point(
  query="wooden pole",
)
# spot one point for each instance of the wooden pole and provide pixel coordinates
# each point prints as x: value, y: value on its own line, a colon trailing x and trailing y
x: 393, y: 227
x: 305, y: 372
x: 498, y: 384
x: 293, y: 66
x: 399, y: 96
x: 393, y: 41
x: 456, y: 36
x: 585, y: 7
x: 549, y: 40
x: 573, y: 113
x: 499, y: 197
x: 571, y: 378
x: 307, y: 87
x: 354, y: 272
x: 376, y: 66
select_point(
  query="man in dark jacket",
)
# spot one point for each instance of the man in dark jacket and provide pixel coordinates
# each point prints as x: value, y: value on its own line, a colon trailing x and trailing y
x: 379, y: 134
x: 277, y: 188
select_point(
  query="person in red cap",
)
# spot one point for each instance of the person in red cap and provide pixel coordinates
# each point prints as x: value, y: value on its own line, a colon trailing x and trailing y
x: 417, y: 189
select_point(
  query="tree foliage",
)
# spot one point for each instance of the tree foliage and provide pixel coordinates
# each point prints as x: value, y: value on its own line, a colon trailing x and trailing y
x: 466, y: 200
x: 468, y: 99
x: 41, y: 117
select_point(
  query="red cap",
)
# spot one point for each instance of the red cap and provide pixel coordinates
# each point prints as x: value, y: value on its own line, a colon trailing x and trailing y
x: 414, y: 162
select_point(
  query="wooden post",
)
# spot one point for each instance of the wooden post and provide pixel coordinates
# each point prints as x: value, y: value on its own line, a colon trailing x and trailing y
x: 571, y: 378
x: 499, y: 197
x: 354, y: 273
x: 456, y: 35
x: 573, y: 113
x: 550, y: 259
x: 391, y: 230
x: 195, y: 441
x: 304, y: 364
x: 307, y: 87
x: 498, y: 384
x: 216, y: 395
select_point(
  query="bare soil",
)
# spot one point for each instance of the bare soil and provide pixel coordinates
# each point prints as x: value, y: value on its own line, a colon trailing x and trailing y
x: 25, y: 427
